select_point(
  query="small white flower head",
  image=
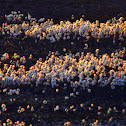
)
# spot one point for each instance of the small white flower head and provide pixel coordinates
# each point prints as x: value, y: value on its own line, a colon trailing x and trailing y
x: 68, y: 37
x: 40, y: 59
x: 78, y: 38
x: 112, y: 87
x: 77, y: 93
x: 66, y: 97
x: 110, y: 119
x: 123, y: 111
x: 11, y: 99
x: 83, y: 16
x: 28, y: 106
x: 45, y: 102
x: 19, y: 111
x: 89, y: 90
x: 97, y: 51
x: 92, y: 104
x: 43, y: 91
x: 3, y: 105
x: 108, y: 111
x: 17, y: 92
x: 66, y: 110
x: 57, y: 90
x: 89, y: 108
x: 74, y: 110
x: 71, y: 94
x: 36, y: 99
x: 98, y: 113
x: 56, y: 108
x: 65, y: 85
x: 71, y: 107
x: 64, y: 49
x: 5, y: 90
x: 72, y: 17
x: 32, y: 108
x: 95, y: 123
x: 18, y: 89
x: 14, y: 99
x: 67, y: 123
x: 81, y: 105
x: 41, y: 20
x: 114, y: 108
x: 72, y: 43
x: 83, y: 120
x: 99, y: 108
x: 4, y: 109
x: 19, y: 12
x: 14, y: 91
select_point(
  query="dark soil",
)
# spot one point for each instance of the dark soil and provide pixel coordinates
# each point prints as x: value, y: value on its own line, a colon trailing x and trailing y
x: 63, y: 9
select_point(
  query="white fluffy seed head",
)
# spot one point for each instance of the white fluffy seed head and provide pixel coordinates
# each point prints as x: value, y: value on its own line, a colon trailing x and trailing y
x: 36, y: 99
x: 77, y: 93
x: 66, y: 97
x: 98, y: 113
x: 89, y: 108
x: 32, y: 108
x: 45, y: 102
x: 123, y: 110
x: 56, y: 108
x: 72, y: 17
x: 64, y: 49
x: 74, y: 110
x: 83, y: 120
x: 89, y: 90
x: 99, y: 108
x: 71, y: 94
x: 81, y: 105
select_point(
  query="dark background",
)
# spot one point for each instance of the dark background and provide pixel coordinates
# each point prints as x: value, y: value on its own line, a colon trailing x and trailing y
x: 63, y: 9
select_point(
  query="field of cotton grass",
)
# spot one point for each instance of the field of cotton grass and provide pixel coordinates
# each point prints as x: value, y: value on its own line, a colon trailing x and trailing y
x: 62, y: 70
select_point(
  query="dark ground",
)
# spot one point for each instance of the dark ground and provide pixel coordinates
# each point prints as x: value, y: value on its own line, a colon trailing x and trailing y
x: 63, y: 9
